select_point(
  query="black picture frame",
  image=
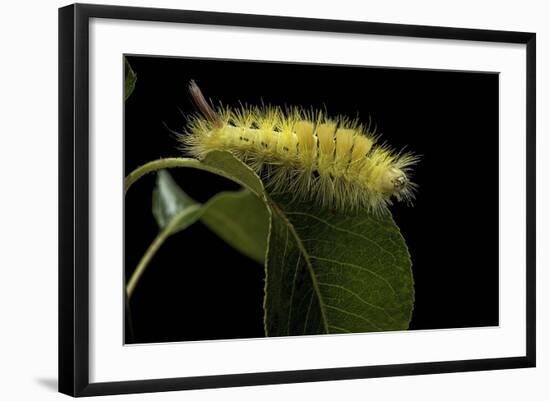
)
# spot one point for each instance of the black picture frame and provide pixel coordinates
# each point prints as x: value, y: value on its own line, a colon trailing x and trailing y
x: 74, y: 198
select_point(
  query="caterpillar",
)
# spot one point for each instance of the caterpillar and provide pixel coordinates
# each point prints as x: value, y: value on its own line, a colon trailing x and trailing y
x: 335, y: 162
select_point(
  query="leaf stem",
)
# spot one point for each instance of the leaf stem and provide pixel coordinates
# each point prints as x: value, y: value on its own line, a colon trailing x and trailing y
x: 155, y: 165
x: 146, y: 258
x: 167, y: 231
x: 171, y: 162
x: 130, y: 321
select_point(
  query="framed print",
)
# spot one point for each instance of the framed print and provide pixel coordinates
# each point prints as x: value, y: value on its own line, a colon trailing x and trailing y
x: 249, y: 199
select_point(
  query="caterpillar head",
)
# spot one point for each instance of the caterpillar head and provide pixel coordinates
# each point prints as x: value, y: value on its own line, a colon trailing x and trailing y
x: 394, y: 181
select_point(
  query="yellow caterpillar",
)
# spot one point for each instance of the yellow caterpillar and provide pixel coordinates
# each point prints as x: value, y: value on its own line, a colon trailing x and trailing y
x: 333, y: 161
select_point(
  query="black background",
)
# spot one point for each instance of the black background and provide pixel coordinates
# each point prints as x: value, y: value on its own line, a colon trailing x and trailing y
x: 198, y: 288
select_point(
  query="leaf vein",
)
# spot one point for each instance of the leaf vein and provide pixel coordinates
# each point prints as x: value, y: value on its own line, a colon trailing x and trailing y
x: 357, y: 267
x: 292, y: 292
x: 343, y: 230
x: 309, y: 266
x: 358, y: 297
x: 345, y: 312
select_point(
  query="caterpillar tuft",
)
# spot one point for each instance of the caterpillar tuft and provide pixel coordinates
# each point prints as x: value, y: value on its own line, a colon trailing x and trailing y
x: 333, y: 161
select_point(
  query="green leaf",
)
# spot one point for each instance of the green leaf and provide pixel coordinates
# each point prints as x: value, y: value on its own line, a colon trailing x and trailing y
x: 328, y: 272
x: 221, y: 163
x: 130, y: 78
x: 241, y: 219
x: 171, y: 206
x: 238, y: 217
x: 227, y: 165
x: 174, y: 210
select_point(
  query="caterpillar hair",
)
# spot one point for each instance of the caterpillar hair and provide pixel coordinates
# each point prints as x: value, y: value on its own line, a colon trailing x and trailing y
x: 335, y: 162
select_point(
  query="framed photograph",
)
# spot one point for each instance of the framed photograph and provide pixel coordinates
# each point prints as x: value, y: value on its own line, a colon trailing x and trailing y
x: 250, y: 199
